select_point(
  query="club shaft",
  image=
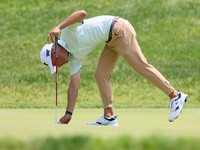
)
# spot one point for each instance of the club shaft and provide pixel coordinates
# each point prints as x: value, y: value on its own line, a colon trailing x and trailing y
x: 56, y: 49
x: 56, y: 115
x: 56, y: 81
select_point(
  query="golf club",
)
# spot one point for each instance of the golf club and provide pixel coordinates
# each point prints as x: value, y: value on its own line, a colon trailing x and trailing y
x: 56, y: 49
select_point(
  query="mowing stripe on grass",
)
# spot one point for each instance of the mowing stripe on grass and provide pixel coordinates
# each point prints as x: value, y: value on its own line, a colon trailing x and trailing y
x: 25, y: 124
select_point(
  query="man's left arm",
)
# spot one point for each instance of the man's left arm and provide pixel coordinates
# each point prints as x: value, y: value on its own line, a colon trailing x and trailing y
x: 72, y: 97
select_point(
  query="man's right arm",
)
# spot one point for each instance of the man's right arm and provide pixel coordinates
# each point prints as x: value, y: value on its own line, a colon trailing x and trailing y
x: 77, y: 16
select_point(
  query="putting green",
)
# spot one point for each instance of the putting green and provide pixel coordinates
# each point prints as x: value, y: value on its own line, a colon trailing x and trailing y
x: 27, y: 124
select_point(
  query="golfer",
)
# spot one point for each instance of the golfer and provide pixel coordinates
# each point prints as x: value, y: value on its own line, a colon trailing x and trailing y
x: 79, y: 36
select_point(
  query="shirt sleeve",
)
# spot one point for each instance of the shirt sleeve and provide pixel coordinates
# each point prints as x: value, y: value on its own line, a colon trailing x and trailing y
x: 75, y: 64
x: 74, y: 26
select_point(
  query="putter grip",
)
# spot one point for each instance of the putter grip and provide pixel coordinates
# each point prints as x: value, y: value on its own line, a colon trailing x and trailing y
x: 56, y: 47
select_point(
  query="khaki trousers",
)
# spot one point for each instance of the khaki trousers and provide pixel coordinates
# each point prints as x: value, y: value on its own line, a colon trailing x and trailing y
x: 124, y: 43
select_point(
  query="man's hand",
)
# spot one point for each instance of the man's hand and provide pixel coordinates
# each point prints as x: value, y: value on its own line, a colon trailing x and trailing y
x: 66, y: 119
x: 54, y: 32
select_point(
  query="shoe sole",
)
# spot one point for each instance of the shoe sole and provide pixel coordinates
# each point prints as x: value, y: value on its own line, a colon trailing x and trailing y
x: 186, y: 98
x: 108, y: 124
x: 112, y: 125
x: 103, y: 124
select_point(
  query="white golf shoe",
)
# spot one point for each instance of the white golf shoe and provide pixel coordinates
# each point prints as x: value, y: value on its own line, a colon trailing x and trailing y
x: 104, y: 121
x: 176, y: 106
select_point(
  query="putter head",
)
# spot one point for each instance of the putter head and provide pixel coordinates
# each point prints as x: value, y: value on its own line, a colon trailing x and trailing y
x: 58, y: 122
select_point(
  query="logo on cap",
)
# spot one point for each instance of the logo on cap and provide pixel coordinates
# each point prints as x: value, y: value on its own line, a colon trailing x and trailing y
x: 47, y: 52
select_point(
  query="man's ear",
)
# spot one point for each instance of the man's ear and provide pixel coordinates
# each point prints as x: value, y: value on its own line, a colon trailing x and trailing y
x: 53, y: 53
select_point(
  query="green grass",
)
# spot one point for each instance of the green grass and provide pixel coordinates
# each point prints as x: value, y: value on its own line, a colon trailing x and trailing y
x: 167, y: 32
x: 138, y: 129
x: 88, y: 143
x: 138, y: 123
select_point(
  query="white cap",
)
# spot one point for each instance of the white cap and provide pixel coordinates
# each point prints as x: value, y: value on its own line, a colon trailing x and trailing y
x: 45, y: 56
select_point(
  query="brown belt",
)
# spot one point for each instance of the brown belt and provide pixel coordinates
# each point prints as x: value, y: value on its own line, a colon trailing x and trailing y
x: 112, y: 24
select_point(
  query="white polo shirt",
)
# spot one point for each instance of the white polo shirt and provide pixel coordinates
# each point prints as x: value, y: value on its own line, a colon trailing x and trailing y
x: 80, y: 39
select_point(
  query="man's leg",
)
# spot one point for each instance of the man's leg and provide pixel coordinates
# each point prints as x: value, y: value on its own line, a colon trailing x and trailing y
x: 124, y: 42
x: 105, y: 66
x: 138, y: 62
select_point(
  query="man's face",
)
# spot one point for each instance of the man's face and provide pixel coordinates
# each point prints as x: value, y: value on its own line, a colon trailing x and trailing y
x: 62, y: 56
